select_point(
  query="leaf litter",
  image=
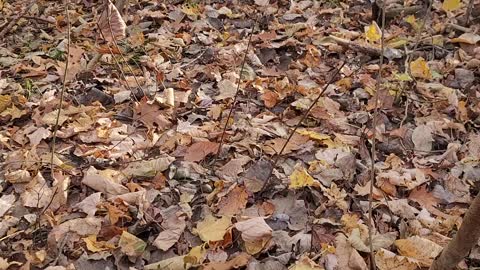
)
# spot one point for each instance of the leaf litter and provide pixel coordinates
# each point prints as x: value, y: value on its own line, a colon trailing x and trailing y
x: 141, y: 179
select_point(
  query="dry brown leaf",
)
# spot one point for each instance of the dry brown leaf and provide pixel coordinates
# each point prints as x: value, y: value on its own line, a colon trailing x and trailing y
x: 37, y: 194
x: 238, y: 261
x: 106, y: 181
x: 233, y: 168
x: 89, y: 204
x: 348, y: 257
x: 173, y: 224
x: 75, y: 64
x: 148, y: 167
x: 255, y: 232
x: 270, y: 98
x: 212, y: 229
x: 234, y: 202
x: 199, y: 150
x: 81, y: 226
x: 111, y: 23
x: 387, y: 260
x: 6, y: 202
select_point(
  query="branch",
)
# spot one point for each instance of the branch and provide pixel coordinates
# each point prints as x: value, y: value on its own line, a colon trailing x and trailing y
x: 7, y: 28
x: 465, y: 239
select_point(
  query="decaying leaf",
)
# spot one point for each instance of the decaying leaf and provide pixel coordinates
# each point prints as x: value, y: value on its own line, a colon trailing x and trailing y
x: 131, y: 245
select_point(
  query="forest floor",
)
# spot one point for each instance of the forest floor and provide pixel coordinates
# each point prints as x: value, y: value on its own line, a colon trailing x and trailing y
x: 236, y: 134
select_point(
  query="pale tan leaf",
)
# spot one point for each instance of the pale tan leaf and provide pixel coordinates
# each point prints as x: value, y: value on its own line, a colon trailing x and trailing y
x: 111, y: 23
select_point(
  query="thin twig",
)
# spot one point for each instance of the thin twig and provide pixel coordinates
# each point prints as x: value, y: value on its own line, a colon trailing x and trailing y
x: 374, y: 145
x: 62, y: 92
x: 40, y: 19
x: 12, y: 23
x: 120, y: 52
x: 277, y: 158
x: 236, y: 93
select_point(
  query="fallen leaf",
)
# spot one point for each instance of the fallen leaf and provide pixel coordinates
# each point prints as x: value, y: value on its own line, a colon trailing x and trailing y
x: 212, y: 229
x: 199, y: 150
x: 227, y: 89
x: 81, y: 226
x: 237, y: 262
x: 173, y: 224
x: 270, y: 98
x: 300, y: 178
x: 233, y: 168
x: 234, y: 202
x: 131, y: 245
x: 111, y: 24
x: 6, y: 202
x: 38, y: 135
x: 255, y: 233
x: 419, y: 69
x: 74, y: 64
x: 106, y: 181
x: 305, y: 263
x: 174, y: 263
x: 96, y: 246
x: 89, y: 204
x: 451, y: 5
x: 418, y: 248
x: 348, y: 257
x: 37, y: 194
x: 387, y: 260
x: 373, y: 32
x: 468, y: 38
x: 148, y: 168
x: 422, y: 139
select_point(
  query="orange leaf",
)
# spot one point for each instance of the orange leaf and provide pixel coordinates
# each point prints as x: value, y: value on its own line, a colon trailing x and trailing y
x: 270, y: 98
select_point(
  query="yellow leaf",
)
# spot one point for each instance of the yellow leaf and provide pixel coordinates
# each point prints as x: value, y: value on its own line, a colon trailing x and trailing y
x: 419, y: 69
x: 4, y: 102
x: 413, y: 22
x: 213, y: 229
x: 418, y: 248
x: 373, y: 32
x: 196, y: 255
x: 300, y: 178
x: 451, y: 5
x: 313, y: 135
x: 95, y: 246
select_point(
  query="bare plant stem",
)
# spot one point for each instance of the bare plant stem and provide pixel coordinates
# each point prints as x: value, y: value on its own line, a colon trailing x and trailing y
x: 64, y: 86
x: 237, y: 92
x: 304, y: 116
x: 374, y: 145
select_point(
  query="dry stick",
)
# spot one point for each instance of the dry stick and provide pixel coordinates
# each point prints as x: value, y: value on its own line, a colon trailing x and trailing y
x: 374, y: 145
x: 64, y: 86
x: 468, y: 13
x: 15, y: 20
x: 117, y: 63
x: 465, y: 239
x: 121, y: 54
x: 236, y: 93
x: 299, y: 123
